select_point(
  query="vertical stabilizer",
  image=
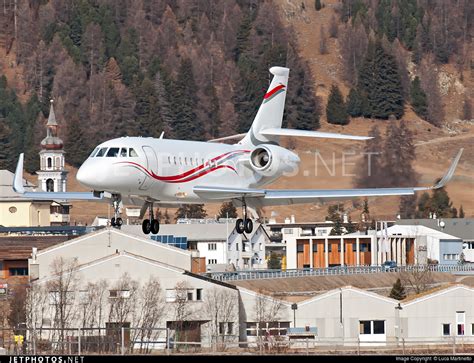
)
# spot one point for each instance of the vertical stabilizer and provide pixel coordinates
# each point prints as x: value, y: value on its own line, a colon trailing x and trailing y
x: 270, y: 113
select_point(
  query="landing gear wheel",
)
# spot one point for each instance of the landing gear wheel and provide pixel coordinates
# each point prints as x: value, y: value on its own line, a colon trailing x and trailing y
x: 240, y: 226
x: 248, y: 225
x: 118, y: 222
x: 146, y: 226
x: 155, y: 226
x: 112, y: 222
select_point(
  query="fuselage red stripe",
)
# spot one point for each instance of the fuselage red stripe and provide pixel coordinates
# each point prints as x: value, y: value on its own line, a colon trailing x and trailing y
x: 182, y: 177
x: 276, y: 89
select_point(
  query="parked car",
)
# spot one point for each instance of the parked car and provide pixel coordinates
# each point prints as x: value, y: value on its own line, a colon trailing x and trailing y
x: 389, y: 265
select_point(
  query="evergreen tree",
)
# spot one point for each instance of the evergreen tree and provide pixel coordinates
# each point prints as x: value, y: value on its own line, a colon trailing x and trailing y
x: 441, y: 203
x: 407, y: 207
x: 371, y: 165
x: 380, y: 81
x: 317, y: 5
x: 186, y: 124
x: 467, y: 113
x: 5, y: 147
x: 354, y: 103
x: 191, y: 211
x: 424, y: 206
x: 350, y: 227
x: 336, y: 112
x: 76, y: 145
x: 163, y: 103
x: 461, y: 212
x: 274, y: 263
x: 398, y: 291
x: 338, y: 229
x: 418, y: 99
x: 227, y: 210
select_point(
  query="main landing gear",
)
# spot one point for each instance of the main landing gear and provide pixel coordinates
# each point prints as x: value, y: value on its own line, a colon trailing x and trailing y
x: 245, y: 224
x: 151, y: 225
x: 116, y: 220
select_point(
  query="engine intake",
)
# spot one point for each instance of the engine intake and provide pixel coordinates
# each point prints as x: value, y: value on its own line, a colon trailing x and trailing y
x: 273, y: 160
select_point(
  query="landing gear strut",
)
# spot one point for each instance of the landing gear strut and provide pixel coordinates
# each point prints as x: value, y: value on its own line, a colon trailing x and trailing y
x: 245, y: 224
x: 116, y: 220
x: 151, y: 225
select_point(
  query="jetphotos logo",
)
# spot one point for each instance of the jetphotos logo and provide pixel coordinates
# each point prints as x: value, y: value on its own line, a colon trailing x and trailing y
x: 273, y: 92
x: 46, y: 359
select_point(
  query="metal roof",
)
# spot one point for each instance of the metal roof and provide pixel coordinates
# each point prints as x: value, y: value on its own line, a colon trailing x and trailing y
x: 460, y: 227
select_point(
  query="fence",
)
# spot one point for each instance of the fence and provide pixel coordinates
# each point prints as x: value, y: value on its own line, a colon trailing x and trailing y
x: 129, y: 341
x: 346, y: 270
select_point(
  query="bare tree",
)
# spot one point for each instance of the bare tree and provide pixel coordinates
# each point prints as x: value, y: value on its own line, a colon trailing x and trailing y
x: 429, y: 83
x: 220, y: 306
x: 62, y: 289
x: 182, y: 310
x: 123, y: 300
x: 93, y: 300
x: 419, y: 278
x: 37, y: 310
x: 267, y: 314
x: 148, y: 314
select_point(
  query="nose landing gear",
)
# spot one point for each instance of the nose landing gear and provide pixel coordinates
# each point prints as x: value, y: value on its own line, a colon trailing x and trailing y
x: 116, y: 220
x: 245, y: 224
x: 151, y: 225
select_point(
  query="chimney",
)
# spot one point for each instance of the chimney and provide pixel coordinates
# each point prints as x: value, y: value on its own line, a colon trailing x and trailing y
x: 293, y: 218
x: 287, y: 220
x: 345, y: 218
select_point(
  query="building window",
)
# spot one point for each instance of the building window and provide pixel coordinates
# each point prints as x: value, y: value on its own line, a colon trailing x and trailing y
x: 472, y: 329
x: 124, y: 294
x: 212, y: 246
x: 50, y: 185
x: 273, y: 328
x: 18, y: 271
x: 371, y: 327
x: 170, y: 295
x: 236, y: 246
x: 300, y: 247
x: 329, y: 247
x: 211, y: 261
x: 50, y: 162
x: 315, y: 247
x: 190, y: 296
x: 354, y: 247
x: 446, y: 329
x: 460, y: 322
x: 12, y: 209
x: 198, y: 294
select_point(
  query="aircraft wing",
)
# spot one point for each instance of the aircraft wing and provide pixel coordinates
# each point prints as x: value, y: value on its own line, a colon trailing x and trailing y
x: 19, y: 188
x: 271, y: 197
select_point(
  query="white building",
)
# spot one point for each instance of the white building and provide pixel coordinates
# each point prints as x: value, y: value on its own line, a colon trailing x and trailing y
x: 428, y: 244
x: 218, y: 244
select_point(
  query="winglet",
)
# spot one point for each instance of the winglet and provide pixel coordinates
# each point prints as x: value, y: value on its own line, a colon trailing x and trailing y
x: 18, y: 179
x: 449, y: 174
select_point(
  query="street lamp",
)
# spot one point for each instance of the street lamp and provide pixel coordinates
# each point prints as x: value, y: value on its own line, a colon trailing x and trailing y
x: 294, y: 307
x: 398, y: 308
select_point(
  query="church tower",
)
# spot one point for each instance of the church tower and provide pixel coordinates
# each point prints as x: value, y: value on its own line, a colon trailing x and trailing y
x: 52, y: 175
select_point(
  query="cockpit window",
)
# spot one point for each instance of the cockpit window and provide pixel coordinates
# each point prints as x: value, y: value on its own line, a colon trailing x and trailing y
x: 113, y: 152
x: 94, y: 152
x: 133, y: 153
x: 101, y: 152
x: 123, y: 152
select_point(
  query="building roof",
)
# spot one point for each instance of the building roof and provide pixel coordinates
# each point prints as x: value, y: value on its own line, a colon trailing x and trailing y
x: 194, y: 232
x: 6, y: 189
x: 429, y: 294
x: 459, y: 227
x: 413, y: 230
x: 20, y: 247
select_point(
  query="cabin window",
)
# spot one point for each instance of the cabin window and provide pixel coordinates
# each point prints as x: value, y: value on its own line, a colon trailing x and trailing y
x: 94, y: 152
x: 132, y: 153
x: 174, y: 160
x: 113, y: 152
x: 185, y: 160
x: 123, y: 152
x: 169, y: 159
x: 101, y: 152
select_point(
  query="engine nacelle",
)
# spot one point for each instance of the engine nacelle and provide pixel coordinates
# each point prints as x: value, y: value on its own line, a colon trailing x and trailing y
x: 272, y: 160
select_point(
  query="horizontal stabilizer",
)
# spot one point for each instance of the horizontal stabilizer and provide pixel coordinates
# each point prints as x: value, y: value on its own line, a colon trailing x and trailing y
x: 231, y: 137
x: 307, y: 133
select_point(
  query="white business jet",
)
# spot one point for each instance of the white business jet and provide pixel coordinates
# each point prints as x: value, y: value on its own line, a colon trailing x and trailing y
x: 147, y: 171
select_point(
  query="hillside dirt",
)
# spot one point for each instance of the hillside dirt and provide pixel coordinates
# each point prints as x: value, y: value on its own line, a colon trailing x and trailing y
x: 331, y: 164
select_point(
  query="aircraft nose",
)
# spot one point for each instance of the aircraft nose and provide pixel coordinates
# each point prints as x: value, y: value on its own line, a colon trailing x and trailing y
x: 83, y: 176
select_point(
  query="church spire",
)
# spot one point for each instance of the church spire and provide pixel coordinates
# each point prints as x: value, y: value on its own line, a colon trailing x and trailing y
x: 52, y: 116
x: 52, y: 141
